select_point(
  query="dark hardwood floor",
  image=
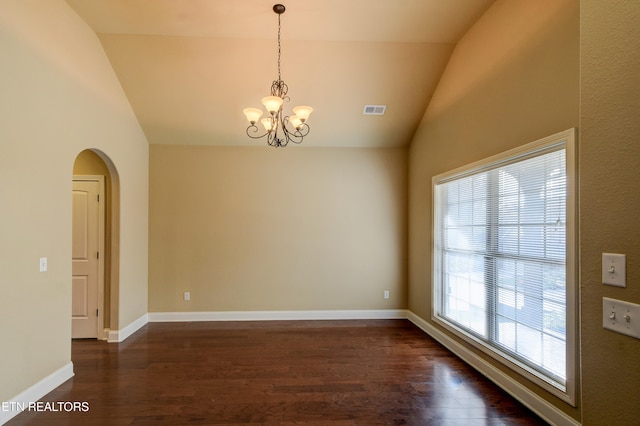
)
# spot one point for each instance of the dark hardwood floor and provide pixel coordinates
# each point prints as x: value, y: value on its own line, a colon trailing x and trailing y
x: 332, y: 373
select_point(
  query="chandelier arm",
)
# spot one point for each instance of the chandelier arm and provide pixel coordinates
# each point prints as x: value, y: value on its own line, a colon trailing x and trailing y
x: 303, y: 130
x: 296, y: 135
x: 254, y: 129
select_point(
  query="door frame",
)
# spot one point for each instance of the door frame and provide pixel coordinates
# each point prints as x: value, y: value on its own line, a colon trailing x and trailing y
x: 101, y: 332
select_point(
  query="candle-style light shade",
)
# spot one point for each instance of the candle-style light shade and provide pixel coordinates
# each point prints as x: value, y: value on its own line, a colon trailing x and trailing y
x: 252, y: 114
x: 295, y: 121
x: 272, y: 103
x: 303, y: 112
x: 267, y: 122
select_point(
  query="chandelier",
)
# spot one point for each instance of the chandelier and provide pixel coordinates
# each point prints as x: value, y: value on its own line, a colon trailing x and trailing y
x: 280, y: 129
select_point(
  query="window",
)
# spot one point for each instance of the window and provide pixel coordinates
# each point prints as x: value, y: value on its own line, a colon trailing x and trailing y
x: 504, y: 238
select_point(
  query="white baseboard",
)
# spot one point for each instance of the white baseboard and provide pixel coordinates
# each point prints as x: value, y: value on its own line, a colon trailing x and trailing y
x: 117, y: 336
x: 37, y: 391
x: 276, y: 315
x: 535, y: 403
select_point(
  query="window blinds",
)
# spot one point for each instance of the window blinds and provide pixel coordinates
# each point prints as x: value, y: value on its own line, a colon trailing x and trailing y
x: 501, y: 257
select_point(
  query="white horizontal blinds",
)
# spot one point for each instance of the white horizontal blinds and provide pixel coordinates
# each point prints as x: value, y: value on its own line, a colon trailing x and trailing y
x: 502, y: 253
x: 464, y: 245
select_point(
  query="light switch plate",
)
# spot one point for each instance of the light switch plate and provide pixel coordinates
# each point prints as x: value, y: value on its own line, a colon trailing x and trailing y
x: 614, y: 269
x: 43, y: 264
x: 621, y: 317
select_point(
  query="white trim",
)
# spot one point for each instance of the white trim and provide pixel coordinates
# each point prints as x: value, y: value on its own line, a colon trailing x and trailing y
x: 38, y: 390
x: 547, y: 411
x: 117, y: 336
x: 276, y: 315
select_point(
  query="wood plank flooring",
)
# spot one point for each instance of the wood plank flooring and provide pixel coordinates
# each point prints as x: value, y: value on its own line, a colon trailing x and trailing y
x: 326, y: 373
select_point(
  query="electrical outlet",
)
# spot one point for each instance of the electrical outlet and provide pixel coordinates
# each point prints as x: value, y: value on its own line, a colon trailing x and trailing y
x: 621, y: 317
x: 386, y: 294
x: 187, y: 295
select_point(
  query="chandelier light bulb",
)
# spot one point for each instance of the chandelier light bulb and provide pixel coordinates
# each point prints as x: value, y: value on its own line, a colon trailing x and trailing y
x: 252, y: 114
x: 272, y: 103
x: 303, y: 112
x: 295, y: 121
x: 267, y: 122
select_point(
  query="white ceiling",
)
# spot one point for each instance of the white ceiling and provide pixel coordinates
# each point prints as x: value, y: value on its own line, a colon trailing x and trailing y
x: 189, y: 67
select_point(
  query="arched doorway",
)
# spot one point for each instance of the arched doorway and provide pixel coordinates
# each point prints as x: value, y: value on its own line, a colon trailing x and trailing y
x: 92, y: 163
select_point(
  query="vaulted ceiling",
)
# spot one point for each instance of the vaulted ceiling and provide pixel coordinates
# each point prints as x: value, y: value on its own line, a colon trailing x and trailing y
x: 189, y: 67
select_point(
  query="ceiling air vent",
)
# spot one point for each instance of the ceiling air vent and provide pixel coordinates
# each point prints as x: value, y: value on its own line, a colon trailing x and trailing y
x: 374, y: 109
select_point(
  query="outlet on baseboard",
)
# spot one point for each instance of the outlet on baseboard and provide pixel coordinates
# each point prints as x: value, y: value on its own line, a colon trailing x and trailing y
x: 187, y: 295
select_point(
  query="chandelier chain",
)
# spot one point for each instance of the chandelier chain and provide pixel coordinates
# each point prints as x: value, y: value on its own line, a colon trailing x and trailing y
x: 279, y: 48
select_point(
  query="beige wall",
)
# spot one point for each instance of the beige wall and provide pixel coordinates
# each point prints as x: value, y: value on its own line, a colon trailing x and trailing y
x: 59, y: 97
x: 512, y: 79
x: 258, y: 228
x: 610, y: 202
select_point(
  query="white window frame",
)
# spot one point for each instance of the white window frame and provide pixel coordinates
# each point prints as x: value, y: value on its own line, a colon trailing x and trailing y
x: 567, y: 392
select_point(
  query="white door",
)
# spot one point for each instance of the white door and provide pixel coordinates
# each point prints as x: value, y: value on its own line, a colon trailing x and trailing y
x: 86, y: 283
